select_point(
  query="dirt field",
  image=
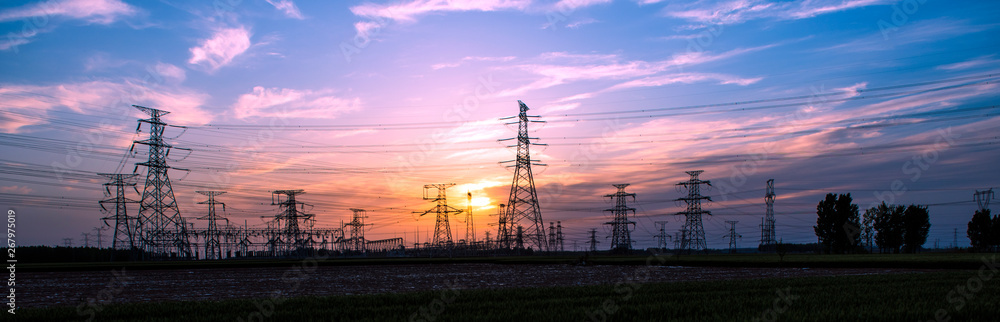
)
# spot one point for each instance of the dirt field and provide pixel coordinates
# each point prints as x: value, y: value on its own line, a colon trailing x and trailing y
x: 45, y: 289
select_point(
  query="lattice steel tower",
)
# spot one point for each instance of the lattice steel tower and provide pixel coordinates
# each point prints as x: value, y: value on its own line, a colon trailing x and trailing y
x: 442, y: 229
x: 593, y: 241
x: 357, y: 241
x: 983, y: 198
x: 161, y: 229
x: 470, y: 228
x: 213, y: 247
x: 732, y: 235
x: 522, y: 205
x: 767, y: 235
x: 291, y: 212
x: 124, y: 235
x: 621, y: 237
x: 661, y: 236
x: 693, y: 236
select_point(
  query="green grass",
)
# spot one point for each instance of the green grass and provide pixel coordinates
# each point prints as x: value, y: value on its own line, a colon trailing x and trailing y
x: 924, y: 260
x: 908, y: 297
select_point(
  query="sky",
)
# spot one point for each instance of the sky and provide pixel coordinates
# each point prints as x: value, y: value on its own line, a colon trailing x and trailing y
x: 362, y: 103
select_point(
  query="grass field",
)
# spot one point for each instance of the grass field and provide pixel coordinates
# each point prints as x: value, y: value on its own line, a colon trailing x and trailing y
x: 924, y: 260
x: 919, y: 296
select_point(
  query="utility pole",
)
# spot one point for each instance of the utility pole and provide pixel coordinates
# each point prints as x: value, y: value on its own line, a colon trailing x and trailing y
x: 162, y: 230
x: 213, y: 248
x: 621, y: 237
x: 125, y: 233
x: 522, y: 204
x: 767, y: 235
x: 442, y: 229
x: 694, y: 233
x: 732, y: 235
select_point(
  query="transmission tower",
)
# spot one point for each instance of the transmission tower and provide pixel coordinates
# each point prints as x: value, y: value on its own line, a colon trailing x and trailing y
x: 160, y: 225
x: 442, y: 229
x: 86, y: 240
x: 767, y: 235
x: 593, y: 240
x: 662, y: 236
x: 124, y: 235
x: 68, y: 242
x: 732, y: 235
x: 693, y: 237
x: 213, y: 248
x: 983, y: 199
x: 291, y: 212
x: 552, y: 234
x: 559, y: 236
x: 98, y: 234
x: 470, y: 229
x: 357, y: 224
x: 522, y: 205
x: 621, y: 237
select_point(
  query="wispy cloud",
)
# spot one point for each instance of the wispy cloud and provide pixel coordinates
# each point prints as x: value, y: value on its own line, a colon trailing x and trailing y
x: 923, y: 31
x: 44, y: 13
x: 93, y: 11
x: 219, y: 50
x: 184, y: 104
x: 576, y: 4
x: 292, y: 103
x: 972, y: 63
x: 562, y: 68
x: 686, y: 78
x: 411, y: 10
x: 472, y: 59
x: 288, y: 7
x: 730, y: 12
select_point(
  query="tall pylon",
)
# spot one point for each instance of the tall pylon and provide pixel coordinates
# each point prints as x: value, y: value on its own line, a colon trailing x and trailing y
x: 213, y: 247
x: 552, y: 234
x: 124, y: 235
x: 522, y: 204
x: 693, y: 237
x: 621, y: 236
x: 767, y: 235
x: 470, y: 228
x: 593, y: 240
x: 661, y: 236
x: 983, y: 198
x: 732, y: 235
x: 357, y: 241
x: 161, y: 228
x: 442, y: 229
x: 559, y: 236
x: 290, y: 213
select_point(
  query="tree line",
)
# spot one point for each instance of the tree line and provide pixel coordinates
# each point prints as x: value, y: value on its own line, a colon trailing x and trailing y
x: 891, y: 228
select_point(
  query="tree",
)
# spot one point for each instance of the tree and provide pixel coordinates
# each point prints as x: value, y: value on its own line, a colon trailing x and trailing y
x: 995, y: 232
x: 837, y: 224
x: 868, y: 228
x: 916, y: 224
x: 981, y: 230
x: 889, y: 227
